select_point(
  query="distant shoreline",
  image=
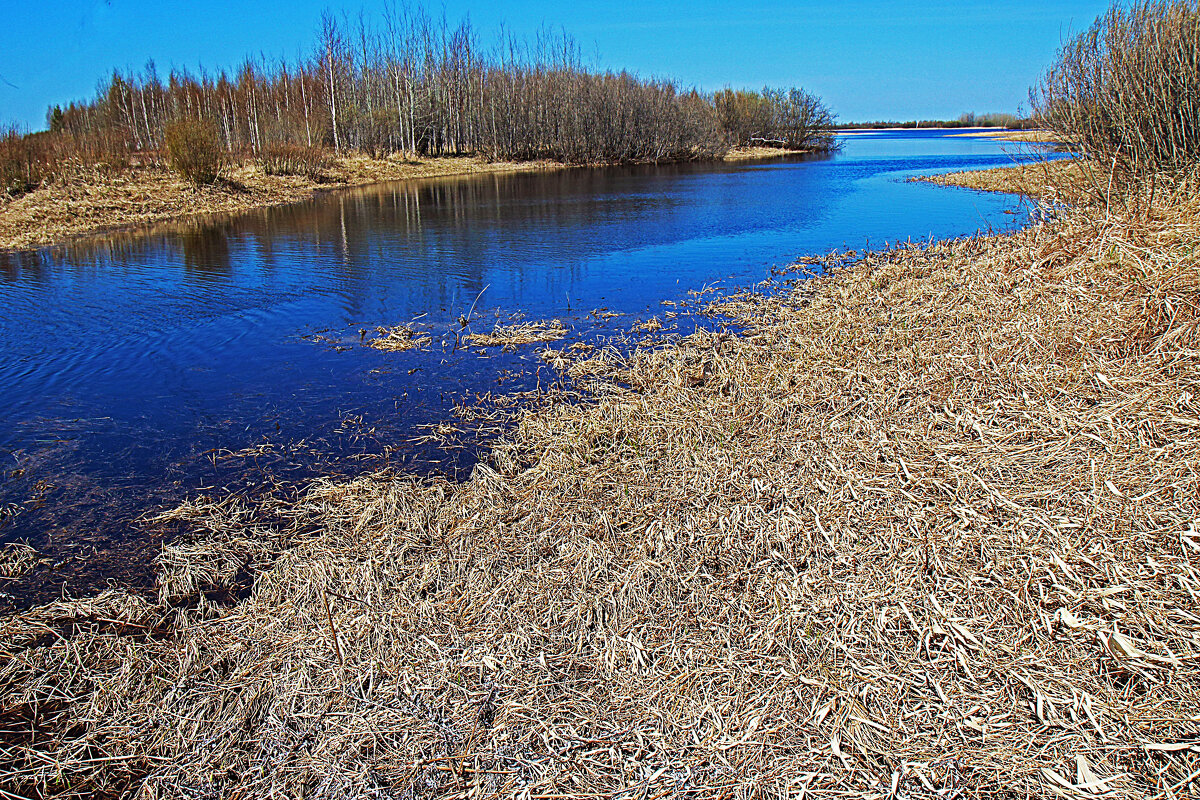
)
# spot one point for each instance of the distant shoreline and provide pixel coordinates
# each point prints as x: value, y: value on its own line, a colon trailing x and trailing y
x: 93, y: 203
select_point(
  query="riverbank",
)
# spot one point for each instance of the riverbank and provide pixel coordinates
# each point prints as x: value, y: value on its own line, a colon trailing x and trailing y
x: 999, y: 134
x: 1028, y: 137
x: 926, y: 528
x: 91, y: 202
x: 1065, y: 180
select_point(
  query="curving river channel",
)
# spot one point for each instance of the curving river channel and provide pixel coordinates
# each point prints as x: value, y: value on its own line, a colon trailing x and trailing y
x: 134, y: 370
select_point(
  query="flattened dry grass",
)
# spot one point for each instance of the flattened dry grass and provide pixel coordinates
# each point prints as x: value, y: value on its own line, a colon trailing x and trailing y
x: 1062, y: 180
x: 1028, y: 137
x: 927, y: 529
x: 522, y: 333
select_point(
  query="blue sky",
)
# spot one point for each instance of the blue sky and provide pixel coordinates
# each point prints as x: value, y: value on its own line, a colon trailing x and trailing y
x: 868, y: 59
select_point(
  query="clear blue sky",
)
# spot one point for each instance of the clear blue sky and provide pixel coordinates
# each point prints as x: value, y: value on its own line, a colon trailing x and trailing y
x: 867, y: 58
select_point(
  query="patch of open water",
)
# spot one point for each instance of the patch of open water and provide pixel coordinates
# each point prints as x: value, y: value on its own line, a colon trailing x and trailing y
x: 132, y: 368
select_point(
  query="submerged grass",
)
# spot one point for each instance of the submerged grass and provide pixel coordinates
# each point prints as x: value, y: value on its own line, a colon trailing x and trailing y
x: 927, y: 528
x: 16, y: 558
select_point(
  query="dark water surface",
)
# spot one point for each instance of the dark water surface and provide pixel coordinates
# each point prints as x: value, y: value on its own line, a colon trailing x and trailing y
x: 132, y: 368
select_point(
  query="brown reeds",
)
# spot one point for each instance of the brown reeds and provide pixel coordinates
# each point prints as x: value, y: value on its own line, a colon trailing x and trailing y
x: 399, y: 338
x: 926, y: 529
x: 25, y: 161
x: 1127, y: 90
x: 512, y: 336
x: 292, y: 159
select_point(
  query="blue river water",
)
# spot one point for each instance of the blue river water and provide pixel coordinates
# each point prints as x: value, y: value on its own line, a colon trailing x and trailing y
x: 133, y: 366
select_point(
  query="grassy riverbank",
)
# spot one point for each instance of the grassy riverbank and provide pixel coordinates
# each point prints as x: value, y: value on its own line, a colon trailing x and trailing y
x: 90, y: 202
x: 926, y: 528
x: 1064, y: 180
x: 1029, y: 137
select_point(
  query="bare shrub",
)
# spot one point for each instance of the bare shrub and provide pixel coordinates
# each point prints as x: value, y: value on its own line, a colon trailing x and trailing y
x: 194, y: 150
x: 25, y: 161
x: 792, y: 119
x: 290, y: 159
x: 1127, y: 90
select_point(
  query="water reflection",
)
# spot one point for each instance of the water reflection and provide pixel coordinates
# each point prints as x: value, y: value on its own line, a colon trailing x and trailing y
x: 206, y: 255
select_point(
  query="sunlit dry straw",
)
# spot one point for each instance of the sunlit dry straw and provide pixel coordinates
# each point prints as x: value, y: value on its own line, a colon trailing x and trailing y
x: 399, y: 338
x: 16, y: 559
x: 926, y: 529
x: 512, y: 336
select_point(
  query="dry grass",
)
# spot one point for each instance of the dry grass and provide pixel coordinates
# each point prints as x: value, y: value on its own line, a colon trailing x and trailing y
x: 512, y: 336
x: 1028, y: 137
x: 399, y: 338
x: 1062, y: 180
x: 652, y: 325
x: 16, y: 559
x: 750, y: 153
x: 927, y: 529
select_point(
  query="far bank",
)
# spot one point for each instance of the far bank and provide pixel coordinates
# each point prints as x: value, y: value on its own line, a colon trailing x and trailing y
x: 92, y: 202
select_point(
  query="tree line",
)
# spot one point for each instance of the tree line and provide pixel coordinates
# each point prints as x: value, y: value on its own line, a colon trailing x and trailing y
x: 404, y: 82
x: 969, y: 119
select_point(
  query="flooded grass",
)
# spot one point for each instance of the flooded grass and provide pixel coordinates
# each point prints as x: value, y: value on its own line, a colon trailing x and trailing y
x: 926, y: 526
x: 399, y: 339
x: 509, y: 337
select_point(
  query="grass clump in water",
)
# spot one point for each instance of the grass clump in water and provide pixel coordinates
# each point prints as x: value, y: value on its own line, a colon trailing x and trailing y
x: 512, y: 336
x: 399, y: 338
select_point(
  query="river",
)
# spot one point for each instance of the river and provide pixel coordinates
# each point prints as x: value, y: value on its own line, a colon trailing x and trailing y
x: 133, y: 368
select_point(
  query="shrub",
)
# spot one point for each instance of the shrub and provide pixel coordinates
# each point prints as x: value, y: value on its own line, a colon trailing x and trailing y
x: 26, y: 160
x: 792, y: 119
x: 105, y: 151
x: 194, y: 150
x: 1125, y: 90
x: 290, y: 159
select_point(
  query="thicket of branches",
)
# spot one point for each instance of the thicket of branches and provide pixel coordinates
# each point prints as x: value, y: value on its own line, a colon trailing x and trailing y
x: 407, y: 83
x: 790, y: 118
x: 1127, y: 90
